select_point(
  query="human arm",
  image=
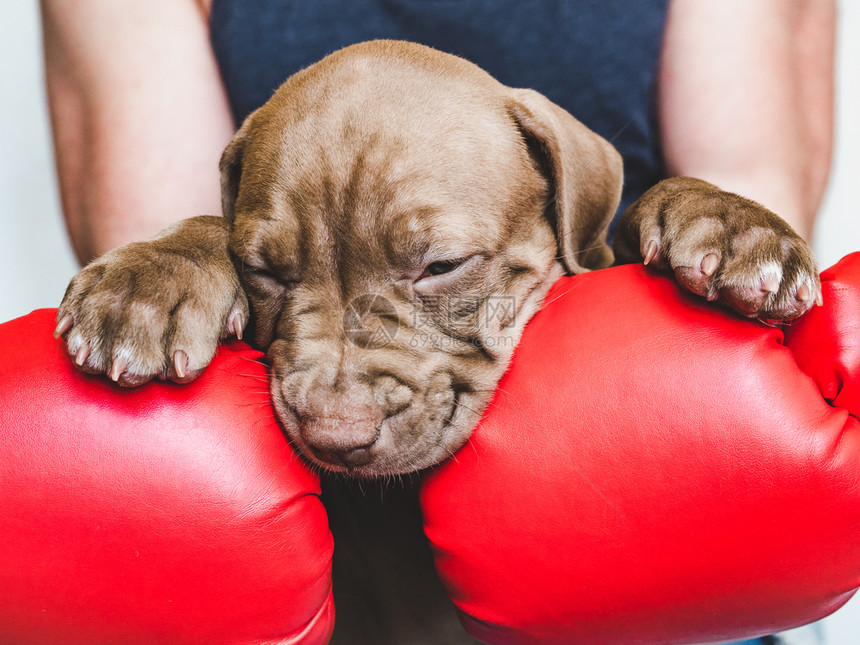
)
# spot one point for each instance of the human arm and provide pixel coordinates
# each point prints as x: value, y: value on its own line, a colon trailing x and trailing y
x: 139, y: 117
x: 746, y: 99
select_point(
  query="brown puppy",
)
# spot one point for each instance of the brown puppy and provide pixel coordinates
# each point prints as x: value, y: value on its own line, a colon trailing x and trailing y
x: 393, y: 217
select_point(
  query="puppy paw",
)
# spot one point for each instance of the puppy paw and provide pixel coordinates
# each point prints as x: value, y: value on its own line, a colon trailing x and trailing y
x: 151, y: 309
x: 723, y: 247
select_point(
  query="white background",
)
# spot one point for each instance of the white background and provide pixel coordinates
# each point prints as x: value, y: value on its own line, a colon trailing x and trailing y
x: 36, y: 261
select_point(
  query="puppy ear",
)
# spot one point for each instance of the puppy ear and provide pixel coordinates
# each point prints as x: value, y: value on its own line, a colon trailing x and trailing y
x: 231, y: 171
x: 585, y: 175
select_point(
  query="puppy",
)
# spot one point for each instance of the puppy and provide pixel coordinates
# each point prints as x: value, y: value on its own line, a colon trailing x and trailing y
x: 393, y: 217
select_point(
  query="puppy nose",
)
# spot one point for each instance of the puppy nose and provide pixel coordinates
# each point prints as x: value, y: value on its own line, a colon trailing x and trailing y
x: 341, y: 441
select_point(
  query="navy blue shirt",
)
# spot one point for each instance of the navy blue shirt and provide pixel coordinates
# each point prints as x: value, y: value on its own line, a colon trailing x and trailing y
x: 596, y: 59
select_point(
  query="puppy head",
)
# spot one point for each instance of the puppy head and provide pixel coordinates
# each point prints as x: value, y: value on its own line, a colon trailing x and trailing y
x: 397, y: 217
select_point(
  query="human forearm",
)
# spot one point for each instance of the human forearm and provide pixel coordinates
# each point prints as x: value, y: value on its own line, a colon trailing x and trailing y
x: 746, y: 99
x: 139, y: 117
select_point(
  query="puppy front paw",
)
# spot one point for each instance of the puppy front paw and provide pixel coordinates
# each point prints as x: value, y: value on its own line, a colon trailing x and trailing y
x: 723, y: 247
x: 150, y: 309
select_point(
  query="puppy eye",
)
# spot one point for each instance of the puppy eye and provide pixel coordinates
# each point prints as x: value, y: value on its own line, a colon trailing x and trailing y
x: 264, y: 273
x: 441, y: 267
x: 267, y: 277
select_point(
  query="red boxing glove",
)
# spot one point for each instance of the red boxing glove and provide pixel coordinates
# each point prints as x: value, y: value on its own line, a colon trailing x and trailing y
x: 652, y: 470
x: 164, y: 514
x: 656, y: 470
x: 826, y: 341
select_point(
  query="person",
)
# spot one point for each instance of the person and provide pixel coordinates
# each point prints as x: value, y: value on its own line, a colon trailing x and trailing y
x: 140, y: 114
x: 144, y: 96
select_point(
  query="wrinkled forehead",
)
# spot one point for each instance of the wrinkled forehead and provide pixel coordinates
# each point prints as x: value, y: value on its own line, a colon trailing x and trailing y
x: 381, y: 190
x: 373, y: 215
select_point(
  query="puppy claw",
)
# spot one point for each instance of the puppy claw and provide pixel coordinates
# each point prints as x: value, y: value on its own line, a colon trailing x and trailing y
x: 651, y: 251
x: 819, y: 300
x: 180, y: 363
x: 82, y: 354
x: 710, y: 263
x: 804, y: 293
x: 64, y: 325
x: 117, y: 368
x: 237, y: 324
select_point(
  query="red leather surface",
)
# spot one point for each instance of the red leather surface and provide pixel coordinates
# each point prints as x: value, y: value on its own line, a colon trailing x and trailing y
x: 652, y: 470
x: 826, y: 342
x: 655, y: 470
x: 165, y: 514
